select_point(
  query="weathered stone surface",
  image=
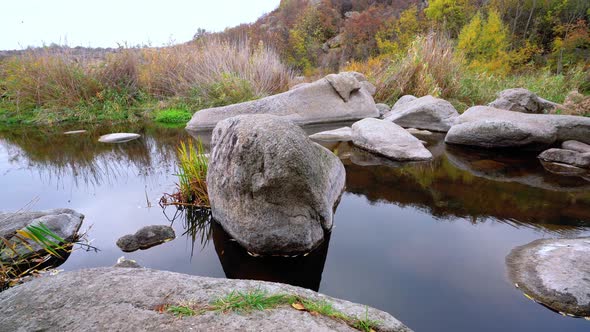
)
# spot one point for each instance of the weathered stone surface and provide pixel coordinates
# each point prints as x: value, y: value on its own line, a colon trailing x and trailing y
x: 63, y: 222
x: 569, y: 157
x: 555, y: 273
x: 522, y: 100
x: 118, y: 138
x: 146, y: 237
x: 424, y: 113
x: 270, y: 186
x: 343, y: 134
x: 576, y: 146
x: 383, y: 109
x: 344, y: 84
x: 494, y: 128
x: 389, y: 140
x: 316, y: 102
x: 402, y: 101
x: 74, y: 132
x: 116, y: 299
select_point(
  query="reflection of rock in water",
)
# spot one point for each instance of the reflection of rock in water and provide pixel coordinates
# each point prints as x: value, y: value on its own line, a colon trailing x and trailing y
x: 514, y: 190
x: 302, y: 271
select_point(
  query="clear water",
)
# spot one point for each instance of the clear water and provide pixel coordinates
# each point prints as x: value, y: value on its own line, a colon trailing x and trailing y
x: 425, y: 242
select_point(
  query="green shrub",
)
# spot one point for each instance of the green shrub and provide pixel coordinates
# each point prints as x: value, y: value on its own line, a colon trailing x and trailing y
x: 173, y: 116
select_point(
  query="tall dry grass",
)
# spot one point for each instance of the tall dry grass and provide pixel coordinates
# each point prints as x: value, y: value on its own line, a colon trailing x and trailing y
x: 429, y: 67
x: 209, y: 72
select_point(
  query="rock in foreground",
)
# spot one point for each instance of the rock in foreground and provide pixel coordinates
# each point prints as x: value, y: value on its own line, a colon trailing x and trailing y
x: 118, y: 137
x: 389, y: 140
x: 119, y: 299
x: 270, y: 186
x: 423, y: 113
x: 495, y: 128
x: 522, y: 100
x: 342, y: 97
x: 554, y: 272
x: 63, y: 222
x: 146, y: 238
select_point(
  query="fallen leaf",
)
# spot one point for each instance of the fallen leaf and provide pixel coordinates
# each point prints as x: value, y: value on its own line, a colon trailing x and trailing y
x: 298, y: 306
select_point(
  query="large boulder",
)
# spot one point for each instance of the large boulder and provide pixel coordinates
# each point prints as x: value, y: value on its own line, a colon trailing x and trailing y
x: 389, y: 140
x: 146, y: 238
x: 522, y: 100
x: 402, y: 101
x: 135, y: 299
x: 342, y: 97
x: 495, y: 128
x: 424, y: 113
x: 270, y: 186
x: 555, y: 273
x: 63, y: 222
x: 568, y: 157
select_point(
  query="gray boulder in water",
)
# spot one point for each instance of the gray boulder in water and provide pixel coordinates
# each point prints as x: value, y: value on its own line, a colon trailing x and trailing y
x: 424, y: 113
x: 389, y: 140
x: 118, y: 137
x: 490, y: 127
x: 554, y: 272
x: 568, y: 157
x: 271, y: 187
x: 522, y: 100
x: 63, y: 222
x: 342, y: 97
x: 146, y: 237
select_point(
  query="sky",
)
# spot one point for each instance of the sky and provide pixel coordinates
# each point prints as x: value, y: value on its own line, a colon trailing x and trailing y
x: 109, y: 23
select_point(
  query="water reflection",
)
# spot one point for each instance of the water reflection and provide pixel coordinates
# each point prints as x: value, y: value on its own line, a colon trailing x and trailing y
x: 196, y: 223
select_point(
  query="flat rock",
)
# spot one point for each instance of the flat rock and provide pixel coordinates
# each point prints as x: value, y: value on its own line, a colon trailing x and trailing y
x: 569, y: 157
x: 146, y: 238
x: 342, y: 97
x: 424, y: 113
x: 522, y: 100
x: 489, y: 127
x: 118, y: 137
x: 389, y: 140
x: 117, y: 299
x: 418, y: 132
x: 565, y: 169
x: 576, y: 146
x: 63, y: 222
x: 271, y: 187
x: 341, y: 134
x: 74, y: 132
x: 555, y: 273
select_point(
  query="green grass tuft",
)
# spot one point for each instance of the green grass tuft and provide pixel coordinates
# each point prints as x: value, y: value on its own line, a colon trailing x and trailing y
x: 181, y: 311
x: 173, y: 116
x: 249, y: 301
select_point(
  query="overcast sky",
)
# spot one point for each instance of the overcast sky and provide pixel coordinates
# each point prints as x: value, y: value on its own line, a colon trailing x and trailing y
x: 105, y: 23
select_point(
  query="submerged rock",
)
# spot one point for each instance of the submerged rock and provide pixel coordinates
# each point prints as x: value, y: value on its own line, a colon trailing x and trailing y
x: 566, y: 170
x: 146, y: 238
x: 522, y: 100
x: 126, y: 263
x: 554, y: 272
x: 389, y: 140
x: 63, y: 222
x: 271, y: 187
x: 568, y: 157
x: 74, y: 132
x: 342, y: 97
x: 118, y: 138
x: 341, y: 134
x: 424, y: 113
x: 115, y: 299
x: 495, y: 128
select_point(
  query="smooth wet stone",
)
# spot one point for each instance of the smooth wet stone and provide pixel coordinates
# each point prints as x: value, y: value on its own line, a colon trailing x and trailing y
x: 74, y: 132
x: 118, y: 138
x: 389, y: 140
x: 424, y: 113
x: 554, y: 272
x: 122, y: 299
x: 522, y: 100
x: 342, y: 97
x: 568, y: 157
x: 489, y: 127
x: 146, y: 238
x: 576, y: 146
x: 271, y: 187
x: 343, y: 134
x: 63, y: 222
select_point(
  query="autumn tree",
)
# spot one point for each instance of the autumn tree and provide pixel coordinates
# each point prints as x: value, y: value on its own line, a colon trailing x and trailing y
x: 449, y: 15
